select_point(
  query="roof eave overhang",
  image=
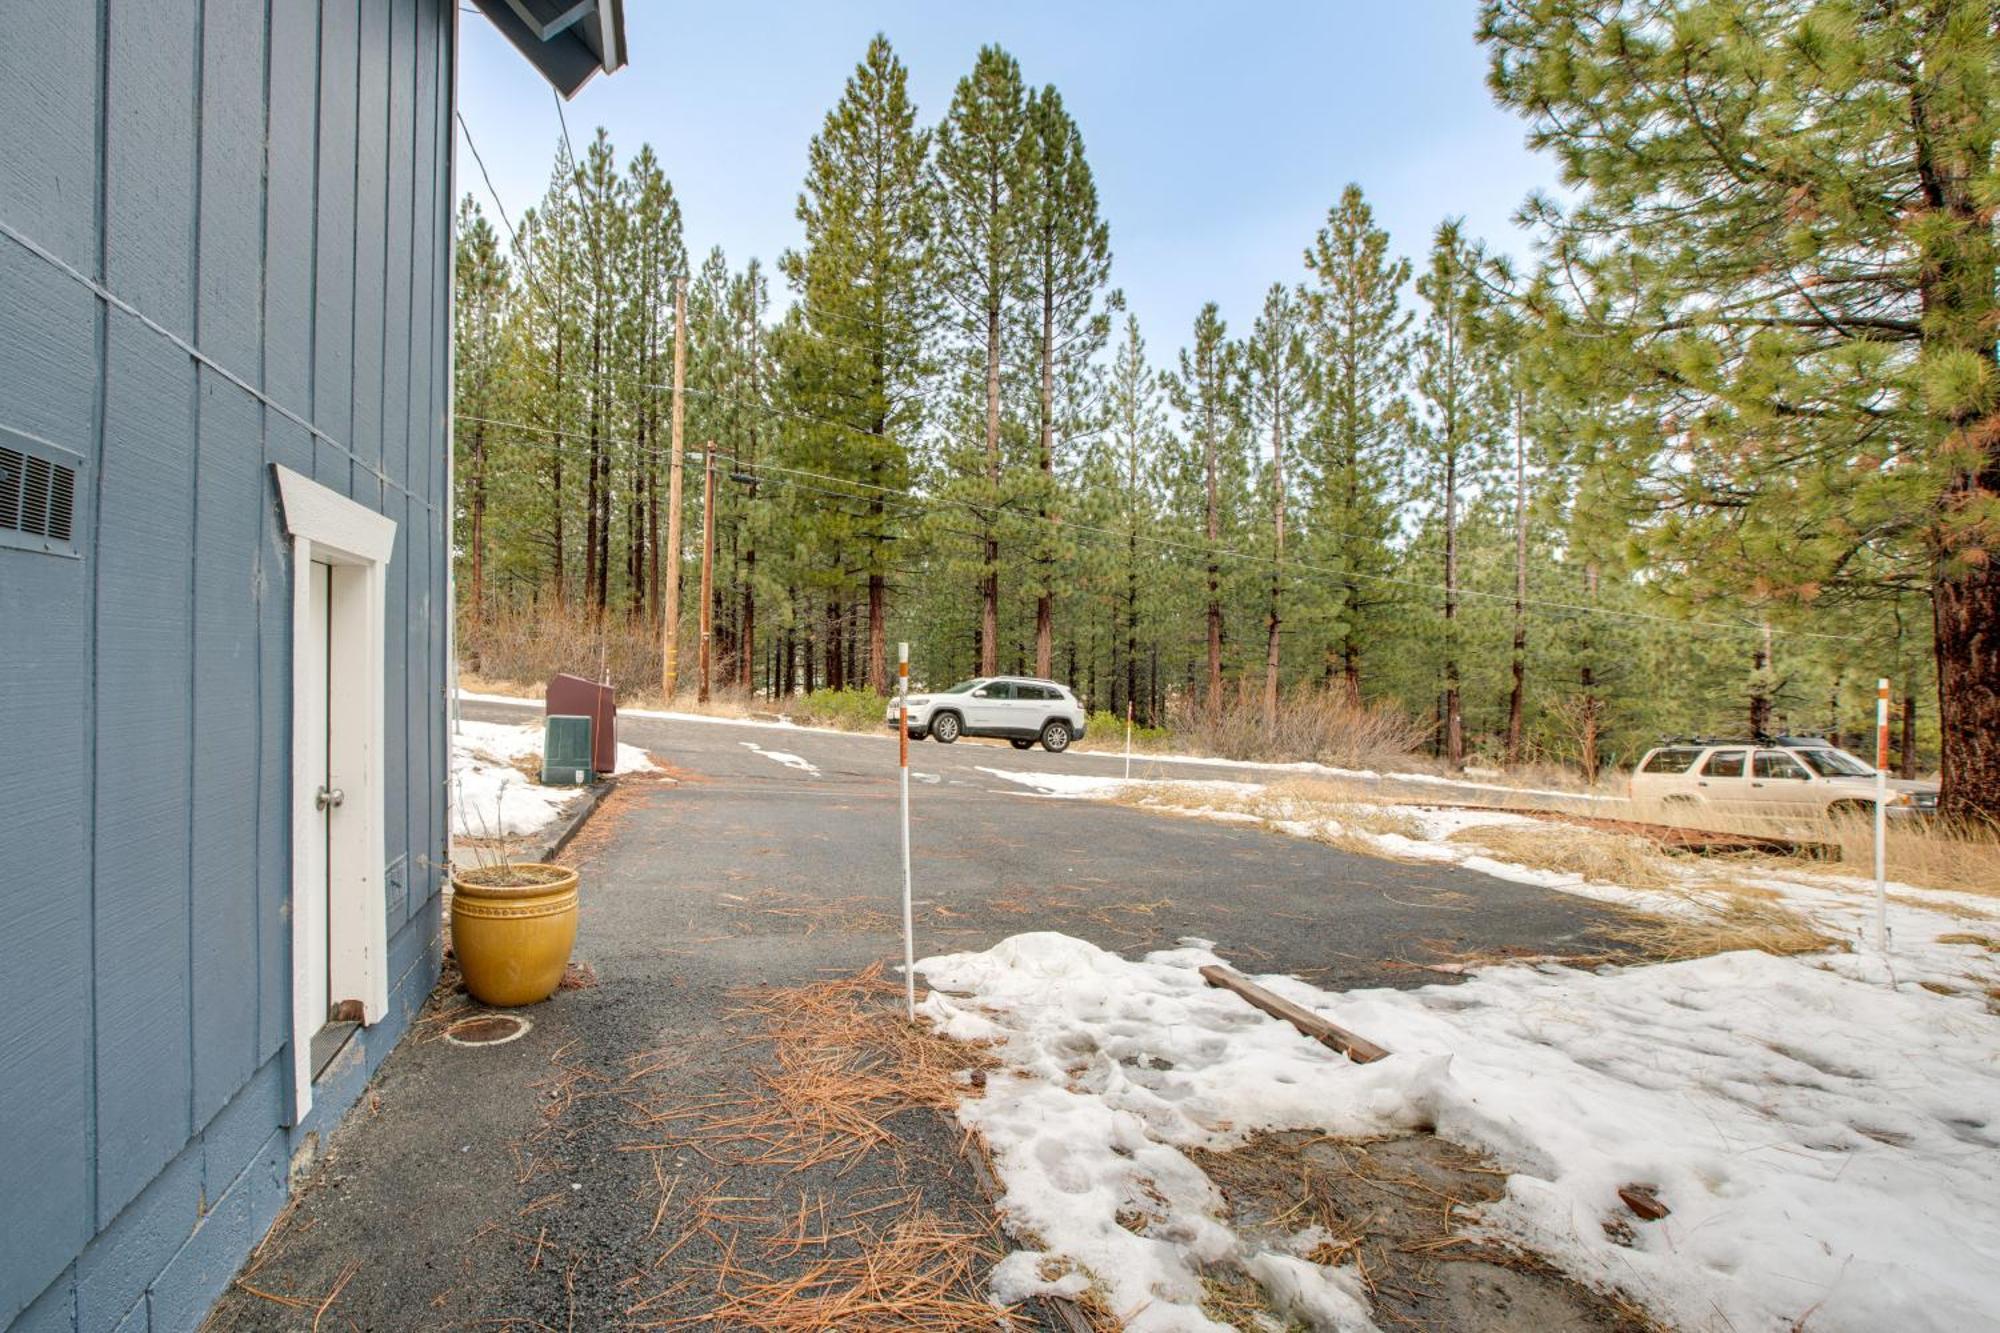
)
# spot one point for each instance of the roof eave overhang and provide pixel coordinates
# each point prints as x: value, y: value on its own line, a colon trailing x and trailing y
x: 568, y: 41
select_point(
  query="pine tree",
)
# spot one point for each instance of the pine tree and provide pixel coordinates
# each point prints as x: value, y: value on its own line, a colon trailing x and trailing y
x: 1277, y: 387
x: 853, y: 365
x: 1457, y: 387
x: 1360, y: 340
x: 1137, y: 425
x: 480, y: 312
x: 1784, y: 251
x: 1210, y: 468
x: 979, y: 256
x: 601, y: 218
x: 656, y: 258
x: 1067, y: 253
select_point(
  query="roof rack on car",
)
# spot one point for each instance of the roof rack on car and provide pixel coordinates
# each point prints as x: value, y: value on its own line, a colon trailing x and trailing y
x: 1761, y: 738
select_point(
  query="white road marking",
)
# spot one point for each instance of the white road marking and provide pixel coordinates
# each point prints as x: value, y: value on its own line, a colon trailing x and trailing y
x: 789, y: 760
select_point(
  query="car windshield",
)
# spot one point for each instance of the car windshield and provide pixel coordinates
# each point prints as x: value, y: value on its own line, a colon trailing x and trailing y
x: 1831, y: 763
x: 962, y: 687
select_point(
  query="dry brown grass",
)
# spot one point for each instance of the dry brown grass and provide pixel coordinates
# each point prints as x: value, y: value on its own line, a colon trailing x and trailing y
x: 1745, y: 919
x: 1342, y: 812
x: 1595, y: 854
x: 1926, y: 853
x: 1316, y: 724
x: 1296, y: 799
x: 530, y: 642
x: 1931, y: 854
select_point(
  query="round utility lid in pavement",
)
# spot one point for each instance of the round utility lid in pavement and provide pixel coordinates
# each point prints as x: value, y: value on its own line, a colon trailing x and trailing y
x: 487, y: 1030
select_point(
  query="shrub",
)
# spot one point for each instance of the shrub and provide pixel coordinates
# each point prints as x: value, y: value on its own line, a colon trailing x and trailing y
x: 1107, y: 731
x: 852, y: 709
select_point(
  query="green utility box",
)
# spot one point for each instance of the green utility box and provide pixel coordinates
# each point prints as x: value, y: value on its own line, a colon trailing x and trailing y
x: 566, y: 752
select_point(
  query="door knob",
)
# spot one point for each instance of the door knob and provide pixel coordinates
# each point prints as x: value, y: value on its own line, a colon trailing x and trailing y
x: 327, y: 797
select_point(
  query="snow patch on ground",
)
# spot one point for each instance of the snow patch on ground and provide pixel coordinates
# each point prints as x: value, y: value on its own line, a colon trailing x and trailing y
x: 789, y: 760
x: 669, y: 715
x: 1827, y: 1145
x: 492, y: 798
x: 1083, y: 787
x: 1308, y: 766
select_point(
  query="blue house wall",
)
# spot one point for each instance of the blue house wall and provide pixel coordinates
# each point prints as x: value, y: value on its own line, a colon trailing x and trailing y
x: 219, y: 219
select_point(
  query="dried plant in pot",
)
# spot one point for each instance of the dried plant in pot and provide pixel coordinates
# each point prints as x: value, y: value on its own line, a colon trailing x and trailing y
x: 513, y: 924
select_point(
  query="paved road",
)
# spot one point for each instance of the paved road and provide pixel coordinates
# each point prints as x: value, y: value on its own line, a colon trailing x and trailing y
x: 487, y: 1188
x: 805, y: 820
x: 868, y: 754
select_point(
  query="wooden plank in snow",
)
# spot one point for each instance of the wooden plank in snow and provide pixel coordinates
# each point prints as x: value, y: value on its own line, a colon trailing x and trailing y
x: 1356, y: 1048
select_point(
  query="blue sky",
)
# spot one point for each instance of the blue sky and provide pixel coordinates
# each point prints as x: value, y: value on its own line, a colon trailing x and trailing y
x: 1219, y: 134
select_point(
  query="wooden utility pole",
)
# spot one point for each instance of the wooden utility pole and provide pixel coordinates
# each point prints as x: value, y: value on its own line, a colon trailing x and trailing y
x: 707, y: 560
x: 671, y: 625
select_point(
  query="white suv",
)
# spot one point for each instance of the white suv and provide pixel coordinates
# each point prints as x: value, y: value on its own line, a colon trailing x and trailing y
x: 1021, y: 708
x: 1775, y: 776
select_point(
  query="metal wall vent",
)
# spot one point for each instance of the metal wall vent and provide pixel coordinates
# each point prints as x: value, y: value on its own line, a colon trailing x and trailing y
x: 37, y: 495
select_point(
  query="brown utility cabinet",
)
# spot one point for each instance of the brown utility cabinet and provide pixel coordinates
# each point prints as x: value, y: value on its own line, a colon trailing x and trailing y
x: 574, y: 696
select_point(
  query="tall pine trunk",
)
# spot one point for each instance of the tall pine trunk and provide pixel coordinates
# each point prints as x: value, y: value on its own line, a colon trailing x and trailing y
x: 836, y: 676
x: 989, y: 583
x: 878, y: 608
x: 1454, y: 724
x: 1966, y: 628
x: 1045, y: 592
x: 556, y: 479
x: 1132, y: 610
x: 1214, y: 530
x: 1760, y: 691
x: 1277, y: 568
x: 1907, y: 751
x: 749, y: 613
x: 1516, y: 697
x: 476, y: 514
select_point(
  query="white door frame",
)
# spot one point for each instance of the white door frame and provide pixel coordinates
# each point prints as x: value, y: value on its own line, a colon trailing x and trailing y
x: 357, y: 542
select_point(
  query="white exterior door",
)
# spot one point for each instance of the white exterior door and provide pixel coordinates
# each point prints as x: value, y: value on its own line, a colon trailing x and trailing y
x: 310, y: 894
x: 340, y: 946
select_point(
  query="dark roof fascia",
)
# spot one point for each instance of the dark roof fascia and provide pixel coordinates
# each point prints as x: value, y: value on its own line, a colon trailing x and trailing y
x: 583, y: 38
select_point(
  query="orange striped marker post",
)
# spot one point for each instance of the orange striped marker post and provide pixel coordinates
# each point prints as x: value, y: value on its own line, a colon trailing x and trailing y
x: 903, y: 768
x: 1882, y: 815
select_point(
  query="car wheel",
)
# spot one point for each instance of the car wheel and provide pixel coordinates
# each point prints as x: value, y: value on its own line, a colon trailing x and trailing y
x: 1020, y: 744
x: 1055, y: 737
x: 944, y: 728
x: 1851, y: 810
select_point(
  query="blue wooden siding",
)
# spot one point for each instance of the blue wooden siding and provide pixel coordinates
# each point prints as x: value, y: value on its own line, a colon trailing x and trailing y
x: 268, y: 183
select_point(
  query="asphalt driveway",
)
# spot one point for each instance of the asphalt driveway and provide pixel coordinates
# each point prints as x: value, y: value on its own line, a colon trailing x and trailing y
x: 495, y: 1187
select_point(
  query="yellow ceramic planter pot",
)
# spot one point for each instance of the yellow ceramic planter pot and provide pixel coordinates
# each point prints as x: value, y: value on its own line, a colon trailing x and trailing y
x: 512, y: 928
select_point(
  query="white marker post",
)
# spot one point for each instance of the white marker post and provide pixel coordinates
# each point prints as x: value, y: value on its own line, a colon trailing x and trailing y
x: 1882, y: 815
x: 903, y: 767
x: 1128, y: 740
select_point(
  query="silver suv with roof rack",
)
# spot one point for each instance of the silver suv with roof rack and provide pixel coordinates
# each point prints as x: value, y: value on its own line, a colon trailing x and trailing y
x: 1773, y: 775
x: 1022, y: 709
